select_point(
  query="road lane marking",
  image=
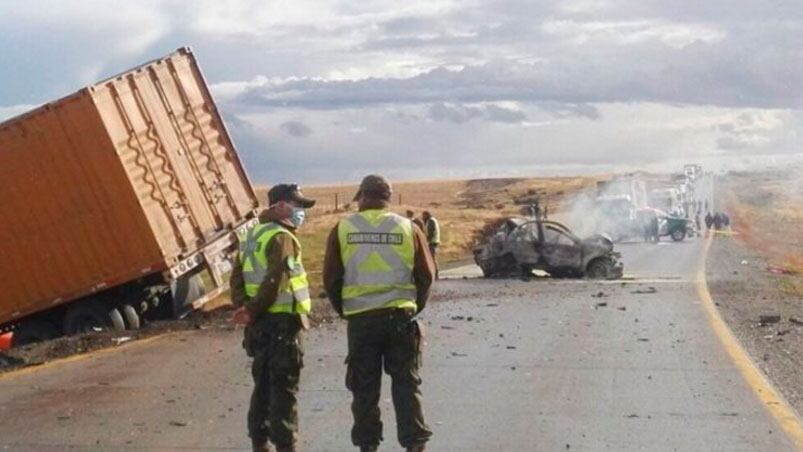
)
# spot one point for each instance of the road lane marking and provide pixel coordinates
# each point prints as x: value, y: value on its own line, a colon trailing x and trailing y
x: 773, y: 401
x: 82, y: 356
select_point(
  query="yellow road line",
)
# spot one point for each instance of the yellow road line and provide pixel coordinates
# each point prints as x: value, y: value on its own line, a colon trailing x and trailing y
x: 83, y: 356
x: 773, y: 401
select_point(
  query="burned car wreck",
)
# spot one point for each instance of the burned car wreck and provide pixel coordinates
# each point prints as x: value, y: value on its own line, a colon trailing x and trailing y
x: 519, y: 246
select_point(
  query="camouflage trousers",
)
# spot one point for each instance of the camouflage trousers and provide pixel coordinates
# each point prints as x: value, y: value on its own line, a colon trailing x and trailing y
x: 275, y: 343
x: 392, y: 339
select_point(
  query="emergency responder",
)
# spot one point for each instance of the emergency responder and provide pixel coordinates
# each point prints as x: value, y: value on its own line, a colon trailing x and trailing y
x: 269, y: 285
x: 377, y: 274
x: 433, y: 231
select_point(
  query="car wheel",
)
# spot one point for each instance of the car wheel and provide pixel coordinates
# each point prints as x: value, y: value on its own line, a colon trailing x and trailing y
x: 507, y: 266
x: 598, y: 268
x: 678, y: 235
x: 487, y: 269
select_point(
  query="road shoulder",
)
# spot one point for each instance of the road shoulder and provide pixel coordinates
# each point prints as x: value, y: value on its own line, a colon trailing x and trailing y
x: 745, y: 292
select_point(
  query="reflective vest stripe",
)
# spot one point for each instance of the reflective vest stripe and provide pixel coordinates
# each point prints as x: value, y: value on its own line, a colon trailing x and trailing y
x: 379, y: 300
x: 254, y: 270
x: 295, y: 296
x: 290, y: 297
x: 377, y: 253
x: 400, y: 273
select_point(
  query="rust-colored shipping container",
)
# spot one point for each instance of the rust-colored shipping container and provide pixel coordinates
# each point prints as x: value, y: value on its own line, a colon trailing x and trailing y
x: 131, y: 181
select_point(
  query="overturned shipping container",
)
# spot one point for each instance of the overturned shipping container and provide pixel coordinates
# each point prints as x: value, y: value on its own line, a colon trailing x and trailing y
x: 110, y: 196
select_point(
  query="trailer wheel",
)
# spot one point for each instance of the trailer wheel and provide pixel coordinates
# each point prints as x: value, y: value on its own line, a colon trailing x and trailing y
x: 34, y: 331
x: 185, y: 290
x: 91, y: 316
x: 132, y: 320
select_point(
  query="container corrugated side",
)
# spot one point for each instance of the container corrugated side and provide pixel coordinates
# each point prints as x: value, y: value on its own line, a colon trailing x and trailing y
x: 69, y: 221
x: 179, y: 158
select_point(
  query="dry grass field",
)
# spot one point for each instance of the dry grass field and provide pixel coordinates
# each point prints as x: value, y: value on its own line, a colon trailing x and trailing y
x: 462, y: 208
x: 767, y: 212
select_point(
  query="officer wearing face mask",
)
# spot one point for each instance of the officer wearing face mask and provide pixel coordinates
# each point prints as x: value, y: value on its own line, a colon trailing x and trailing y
x: 270, y: 288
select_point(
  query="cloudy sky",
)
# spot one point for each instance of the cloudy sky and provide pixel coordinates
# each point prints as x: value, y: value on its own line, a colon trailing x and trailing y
x: 319, y: 91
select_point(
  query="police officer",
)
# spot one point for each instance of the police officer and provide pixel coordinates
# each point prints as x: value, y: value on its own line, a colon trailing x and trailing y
x: 433, y: 231
x: 377, y: 274
x: 269, y: 285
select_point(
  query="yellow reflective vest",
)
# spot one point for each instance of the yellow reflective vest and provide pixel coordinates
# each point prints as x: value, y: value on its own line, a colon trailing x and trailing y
x: 377, y: 251
x: 294, y: 297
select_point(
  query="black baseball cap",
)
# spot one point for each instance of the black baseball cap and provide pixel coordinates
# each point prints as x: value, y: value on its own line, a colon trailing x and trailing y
x: 289, y: 193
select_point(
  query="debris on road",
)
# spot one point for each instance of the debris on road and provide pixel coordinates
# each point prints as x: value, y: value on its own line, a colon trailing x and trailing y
x: 648, y: 290
x: 179, y: 424
x: 796, y: 321
x: 622, y: 308
x: 121, y: 340
x: 765, y: 320
x: 643, y: 339
x: 601, y: 304
x: 8, y: 362
x: 776, y: 270
x: 599, y: 295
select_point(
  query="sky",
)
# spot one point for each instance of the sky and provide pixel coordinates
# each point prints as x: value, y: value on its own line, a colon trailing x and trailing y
x: 325, y: 92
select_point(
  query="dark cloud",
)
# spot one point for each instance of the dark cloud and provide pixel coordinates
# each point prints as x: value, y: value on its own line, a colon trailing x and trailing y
x: 699, y: 74
x: 459, y: 114
x: 496, y: 113
x: 566, y: 110
x: 749, y: 130
x: 296, y: 129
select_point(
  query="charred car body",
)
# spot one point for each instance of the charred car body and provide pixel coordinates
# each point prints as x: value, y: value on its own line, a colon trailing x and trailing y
x: 520, y: 245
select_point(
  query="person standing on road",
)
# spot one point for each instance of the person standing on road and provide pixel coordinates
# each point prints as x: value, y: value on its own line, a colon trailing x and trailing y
x: 377, y: 274
x: 270, y: 288
x: 433, y: 231
x: 717, y: 221
x: 655, y: 236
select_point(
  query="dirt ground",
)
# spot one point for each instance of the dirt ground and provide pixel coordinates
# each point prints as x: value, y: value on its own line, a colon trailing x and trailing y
x: 756, y: 273
x: 745, y: 292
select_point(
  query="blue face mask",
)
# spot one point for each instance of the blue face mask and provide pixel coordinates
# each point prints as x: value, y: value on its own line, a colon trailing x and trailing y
x: 297, y: 216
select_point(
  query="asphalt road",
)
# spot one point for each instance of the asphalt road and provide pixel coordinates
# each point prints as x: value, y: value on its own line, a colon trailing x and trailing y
x: 509, y: 366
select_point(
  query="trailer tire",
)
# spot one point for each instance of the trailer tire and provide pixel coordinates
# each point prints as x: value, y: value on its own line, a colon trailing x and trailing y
x: 132, y: 319
x: 185, y: 290
x: 85, y: 317
x: 34, y: 331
